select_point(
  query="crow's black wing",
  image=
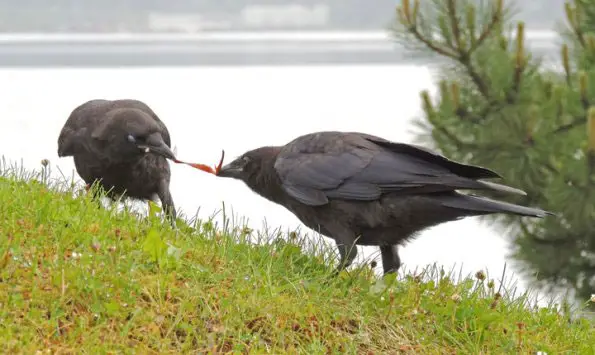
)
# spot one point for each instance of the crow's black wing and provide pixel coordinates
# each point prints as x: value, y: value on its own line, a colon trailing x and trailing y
x: 83, y: 117
x: 465, y: 170
x: 311, y: 177
x: 319, y: 166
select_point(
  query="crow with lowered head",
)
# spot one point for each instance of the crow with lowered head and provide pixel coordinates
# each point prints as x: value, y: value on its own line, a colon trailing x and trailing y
x: 360, y: 189
x: 123, y: 146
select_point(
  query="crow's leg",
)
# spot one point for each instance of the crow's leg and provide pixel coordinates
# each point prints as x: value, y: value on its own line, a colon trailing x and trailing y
x: 167, y: 202
x: 347, y: 252
x: 390, y: 258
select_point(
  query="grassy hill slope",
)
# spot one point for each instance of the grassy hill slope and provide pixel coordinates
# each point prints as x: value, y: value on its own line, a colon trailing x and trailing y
x: 78, y: 278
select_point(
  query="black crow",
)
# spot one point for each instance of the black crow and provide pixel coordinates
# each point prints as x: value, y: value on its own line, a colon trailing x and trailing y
x: 122, y: 145
x: 360, y: 189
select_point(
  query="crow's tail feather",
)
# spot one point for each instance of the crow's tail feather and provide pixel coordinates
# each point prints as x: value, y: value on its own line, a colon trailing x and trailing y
x: 478, y: 205
x: 503, y: 188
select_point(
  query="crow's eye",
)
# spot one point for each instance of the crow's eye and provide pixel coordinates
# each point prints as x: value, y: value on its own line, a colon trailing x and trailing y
x: 246, y: 159
x: 131, y: 138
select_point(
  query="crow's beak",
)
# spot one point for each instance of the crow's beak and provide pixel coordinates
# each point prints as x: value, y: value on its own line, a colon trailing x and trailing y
x: 231, y: 170
x: 156, y: 145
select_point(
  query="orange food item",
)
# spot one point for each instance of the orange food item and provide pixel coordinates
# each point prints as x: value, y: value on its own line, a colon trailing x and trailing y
x: 204, y: 167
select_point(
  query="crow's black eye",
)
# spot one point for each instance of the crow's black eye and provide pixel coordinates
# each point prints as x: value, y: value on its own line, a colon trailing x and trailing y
x: 131, y: 138
x: 246, y: 159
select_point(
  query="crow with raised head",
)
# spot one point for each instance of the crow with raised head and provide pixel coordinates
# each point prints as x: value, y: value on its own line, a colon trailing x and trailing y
x: 359, y: 189
x: 123, y: 146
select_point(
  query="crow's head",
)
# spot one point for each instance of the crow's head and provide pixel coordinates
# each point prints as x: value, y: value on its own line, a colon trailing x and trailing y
x: 250, y: 165
x: 130, y: 132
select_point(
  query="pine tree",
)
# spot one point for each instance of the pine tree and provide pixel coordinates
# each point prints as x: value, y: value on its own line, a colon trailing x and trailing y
x: 498, y: 106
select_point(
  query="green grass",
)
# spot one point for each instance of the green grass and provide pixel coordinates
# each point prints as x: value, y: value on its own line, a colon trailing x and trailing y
x: 75, y: 278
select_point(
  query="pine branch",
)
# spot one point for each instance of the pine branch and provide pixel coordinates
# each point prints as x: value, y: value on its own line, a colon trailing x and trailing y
x: 491, y: 107
x: 568, y: 180
x: 430, y: 44
x: 454, y: 21
x: 566, y: 63
x: 538, y: 240
x: 459, y: 53
x: 463, y: 54
x: 520, y: 64
x: 465, y: 57
x: 409, y: 19
x: 572, y: 16
x: 457, y: 50
x: 591, y: 145
x: 453, y: 137
x: 496, y: 19
x: 579, y: 121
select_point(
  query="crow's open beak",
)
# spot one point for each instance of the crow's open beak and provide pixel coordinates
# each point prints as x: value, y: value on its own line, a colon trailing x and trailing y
x: 156, y: 145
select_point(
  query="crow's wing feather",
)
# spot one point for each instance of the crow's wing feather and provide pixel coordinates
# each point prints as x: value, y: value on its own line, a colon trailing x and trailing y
x: 306, y: 195
x: 464, y: 170
x: 390, y: 170
x: 355, y: 191
x: 359, y: 169
x: 311, y: 178
x: 81, y: 118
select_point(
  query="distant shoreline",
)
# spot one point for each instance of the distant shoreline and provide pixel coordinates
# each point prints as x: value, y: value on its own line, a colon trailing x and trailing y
x: 311, y: 35
x: 221, y: 48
